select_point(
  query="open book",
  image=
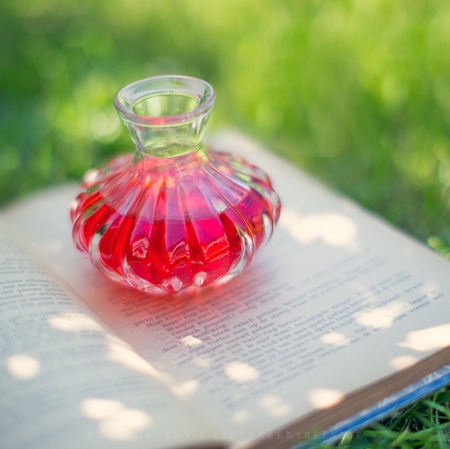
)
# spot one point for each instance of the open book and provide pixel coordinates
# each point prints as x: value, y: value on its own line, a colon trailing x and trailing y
x: 336, y: 313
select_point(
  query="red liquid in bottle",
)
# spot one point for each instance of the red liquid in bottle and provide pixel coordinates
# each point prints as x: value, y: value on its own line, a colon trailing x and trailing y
x: 177, y: 232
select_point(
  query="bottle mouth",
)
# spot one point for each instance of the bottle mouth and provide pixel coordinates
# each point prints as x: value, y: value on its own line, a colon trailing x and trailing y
x: 165, y: 100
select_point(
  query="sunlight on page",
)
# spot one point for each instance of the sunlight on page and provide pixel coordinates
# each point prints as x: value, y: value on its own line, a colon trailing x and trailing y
x: 274, y: 405
x: 74, y: 322
x: 51, y: 247
x: 116, y: 421
x: 117, y: 350
x: 121, y: 352
x: 202, y: 361
x: 333, y: 228
x: 100, y: 408
x: 403, y: 361
x: 323, y: 398
x: 240, y: 416
x: 383, y: 317
x: 191, y: 341
x: 368, y: 296
x: 335, y: 339
x: 430, y: 287
x: 430, y: 339
x: 240, y: 372
x: 189, y: 387
x: 22, y: 366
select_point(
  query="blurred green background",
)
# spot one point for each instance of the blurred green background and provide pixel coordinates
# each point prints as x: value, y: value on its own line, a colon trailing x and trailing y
x: 355, y: 92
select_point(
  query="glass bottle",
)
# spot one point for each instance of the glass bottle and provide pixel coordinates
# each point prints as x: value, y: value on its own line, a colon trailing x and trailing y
x: 174, y: 217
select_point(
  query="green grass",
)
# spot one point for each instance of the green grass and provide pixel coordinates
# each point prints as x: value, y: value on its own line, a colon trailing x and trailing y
x: 355, y: 92
x: 423, y: 425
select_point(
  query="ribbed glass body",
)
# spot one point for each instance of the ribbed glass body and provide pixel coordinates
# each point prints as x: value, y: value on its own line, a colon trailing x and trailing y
x: 174, y: 217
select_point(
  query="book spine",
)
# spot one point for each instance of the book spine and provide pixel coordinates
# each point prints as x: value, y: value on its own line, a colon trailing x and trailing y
x: 405, y: 397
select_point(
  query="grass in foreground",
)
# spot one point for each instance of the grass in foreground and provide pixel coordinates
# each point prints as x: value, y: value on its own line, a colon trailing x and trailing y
x: 426, y: 424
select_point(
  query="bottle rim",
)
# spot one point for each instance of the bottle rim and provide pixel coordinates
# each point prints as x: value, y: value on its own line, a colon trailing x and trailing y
x: 128, y: 95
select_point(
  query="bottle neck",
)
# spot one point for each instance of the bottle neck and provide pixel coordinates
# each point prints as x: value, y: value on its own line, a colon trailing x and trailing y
x: 166, y: 116
x: 171, y: 163
x: 167, y: 141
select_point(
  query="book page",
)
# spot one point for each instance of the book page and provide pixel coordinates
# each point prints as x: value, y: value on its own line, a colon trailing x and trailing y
x: 65, y: 381
x: 335, y: 301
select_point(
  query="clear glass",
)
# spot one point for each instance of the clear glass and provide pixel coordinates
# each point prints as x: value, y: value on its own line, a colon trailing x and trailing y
x: 174, y: 217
